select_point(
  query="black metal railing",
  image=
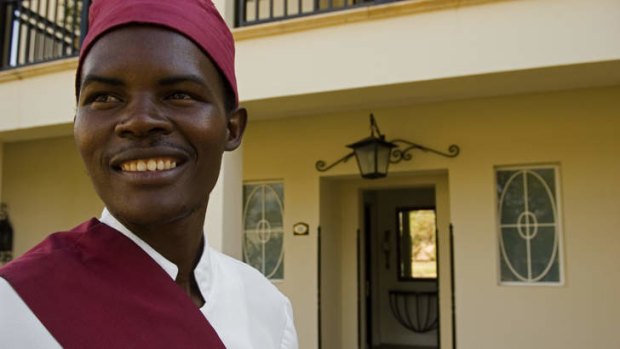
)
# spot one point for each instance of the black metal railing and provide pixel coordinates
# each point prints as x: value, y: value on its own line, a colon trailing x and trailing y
x: 36, y: 31
x: 251, y: 12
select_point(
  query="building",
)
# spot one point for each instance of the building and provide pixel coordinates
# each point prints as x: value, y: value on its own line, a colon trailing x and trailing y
x: 528, y: 90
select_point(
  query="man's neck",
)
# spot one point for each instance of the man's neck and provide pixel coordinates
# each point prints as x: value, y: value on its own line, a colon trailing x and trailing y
x: 180, y: 242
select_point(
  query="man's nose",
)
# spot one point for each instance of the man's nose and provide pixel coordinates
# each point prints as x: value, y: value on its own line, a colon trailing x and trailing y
x: 142, y: 118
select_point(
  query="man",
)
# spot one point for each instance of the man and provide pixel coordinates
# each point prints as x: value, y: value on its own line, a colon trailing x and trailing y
x: 157, y: 106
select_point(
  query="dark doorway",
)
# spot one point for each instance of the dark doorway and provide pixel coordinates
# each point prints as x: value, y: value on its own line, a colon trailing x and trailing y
x: 400, y: 267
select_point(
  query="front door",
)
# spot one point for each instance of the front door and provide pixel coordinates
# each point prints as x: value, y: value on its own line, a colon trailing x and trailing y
x: 401, y: 233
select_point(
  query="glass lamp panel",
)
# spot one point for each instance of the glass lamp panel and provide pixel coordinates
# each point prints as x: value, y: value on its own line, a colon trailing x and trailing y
x: 383, y: 158
x: 366, y: 159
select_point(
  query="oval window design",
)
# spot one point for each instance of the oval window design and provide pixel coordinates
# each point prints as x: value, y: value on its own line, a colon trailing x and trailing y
x: 263, y: 212
x: 528, y: 225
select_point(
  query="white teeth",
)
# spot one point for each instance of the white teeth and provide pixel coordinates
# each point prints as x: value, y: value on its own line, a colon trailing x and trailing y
x: 151, y: 165
x: 141, y: 166
x: 156, y: 164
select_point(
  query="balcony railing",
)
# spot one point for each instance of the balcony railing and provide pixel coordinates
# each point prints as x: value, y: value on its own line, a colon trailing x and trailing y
x: 251, y: 12
x: 36, y: 31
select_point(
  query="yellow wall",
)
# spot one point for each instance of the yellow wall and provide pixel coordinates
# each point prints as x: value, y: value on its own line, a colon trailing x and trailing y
x: 332, y: 273
x: 579, y: 130
x: 47, y: 189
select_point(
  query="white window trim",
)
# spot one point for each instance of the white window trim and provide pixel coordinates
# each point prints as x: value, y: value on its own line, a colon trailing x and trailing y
x: 283, y: 255
x: 559, y: 224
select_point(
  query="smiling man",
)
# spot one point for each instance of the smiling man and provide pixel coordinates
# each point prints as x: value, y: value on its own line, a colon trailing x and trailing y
x: 157, y: 107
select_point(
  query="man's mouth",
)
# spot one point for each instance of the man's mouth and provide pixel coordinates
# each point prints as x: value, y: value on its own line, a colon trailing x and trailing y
x: 151, y: 165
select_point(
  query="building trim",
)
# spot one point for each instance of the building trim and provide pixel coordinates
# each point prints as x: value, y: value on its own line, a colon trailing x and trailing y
x: 361, y: 14
x: 38, y: 69
x: 277, y: 28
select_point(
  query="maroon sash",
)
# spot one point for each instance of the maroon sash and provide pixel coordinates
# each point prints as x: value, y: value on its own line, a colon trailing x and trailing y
x: 92, y: 287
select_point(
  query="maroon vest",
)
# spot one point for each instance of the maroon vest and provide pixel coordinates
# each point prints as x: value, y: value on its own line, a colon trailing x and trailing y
x: 92, y: 287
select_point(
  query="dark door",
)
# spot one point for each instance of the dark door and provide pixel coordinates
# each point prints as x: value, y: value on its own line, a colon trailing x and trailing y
x: 400, y: 269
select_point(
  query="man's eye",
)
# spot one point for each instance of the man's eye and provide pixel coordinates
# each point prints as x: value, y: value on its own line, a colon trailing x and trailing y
x: 103, y: 98
x: 180, y: 95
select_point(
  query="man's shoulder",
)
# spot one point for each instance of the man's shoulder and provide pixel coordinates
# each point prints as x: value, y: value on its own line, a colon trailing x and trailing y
x: 238, y: 282
x: 240, y: 296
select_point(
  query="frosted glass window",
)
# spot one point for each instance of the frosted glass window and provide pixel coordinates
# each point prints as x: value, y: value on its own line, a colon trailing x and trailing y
x: 263, y: 213
x: 529, y: 226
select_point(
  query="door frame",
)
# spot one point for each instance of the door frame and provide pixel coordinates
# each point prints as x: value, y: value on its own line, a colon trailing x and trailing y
x: 379, y: 218
x: 341, y: 216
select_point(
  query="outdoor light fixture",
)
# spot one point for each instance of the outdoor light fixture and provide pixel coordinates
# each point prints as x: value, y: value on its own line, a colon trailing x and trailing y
x: 374, y: 154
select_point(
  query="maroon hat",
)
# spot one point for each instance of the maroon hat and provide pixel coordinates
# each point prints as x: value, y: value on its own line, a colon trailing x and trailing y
x: 198, y: 20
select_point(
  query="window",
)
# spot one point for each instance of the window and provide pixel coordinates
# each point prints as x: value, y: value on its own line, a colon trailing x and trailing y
x: 417, y: 244
x: 529, y: 226
x: 263, y: 213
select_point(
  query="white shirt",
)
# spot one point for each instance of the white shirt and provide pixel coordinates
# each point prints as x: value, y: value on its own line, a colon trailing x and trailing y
x: 244, y: 308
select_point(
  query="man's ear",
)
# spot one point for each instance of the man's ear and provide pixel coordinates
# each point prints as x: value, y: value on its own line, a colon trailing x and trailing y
x: 237, y: 121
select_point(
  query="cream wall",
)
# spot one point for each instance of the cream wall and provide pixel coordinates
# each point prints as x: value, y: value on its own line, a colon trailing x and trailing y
x: 47, y: 189
x: 394, y: 43
x: 43, y: 99
x: 579, y: 130
x: 223, y: 222
x: 458, y: 40
x: 331, y: 249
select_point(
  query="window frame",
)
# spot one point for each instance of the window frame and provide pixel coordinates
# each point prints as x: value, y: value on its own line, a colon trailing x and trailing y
x: 282, y: 254
x: 558, y: 224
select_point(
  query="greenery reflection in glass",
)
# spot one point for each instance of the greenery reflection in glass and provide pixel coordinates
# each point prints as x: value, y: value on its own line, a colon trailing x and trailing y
x: 417, y: 244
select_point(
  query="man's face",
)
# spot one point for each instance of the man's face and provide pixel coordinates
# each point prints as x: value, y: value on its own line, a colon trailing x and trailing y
x: 151, y: 125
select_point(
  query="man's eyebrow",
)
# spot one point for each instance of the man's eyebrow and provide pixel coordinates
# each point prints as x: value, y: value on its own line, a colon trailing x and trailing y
x: 91, y: 78
x: 177, y: 79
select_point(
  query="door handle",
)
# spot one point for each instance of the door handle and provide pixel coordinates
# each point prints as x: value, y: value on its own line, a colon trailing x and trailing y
x: 387, y: 248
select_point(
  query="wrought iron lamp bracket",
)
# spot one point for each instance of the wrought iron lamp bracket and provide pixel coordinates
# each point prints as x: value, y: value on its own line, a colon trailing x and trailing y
x: 401, y: 153
x: 322, y: 166
x: 374, y: 147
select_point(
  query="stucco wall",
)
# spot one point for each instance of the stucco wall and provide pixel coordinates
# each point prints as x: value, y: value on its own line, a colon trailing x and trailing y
x: 459, y: 40
x: 579, y: 130
x: 47, y: 189
x: 366, y: 49
x: 40, y: 100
